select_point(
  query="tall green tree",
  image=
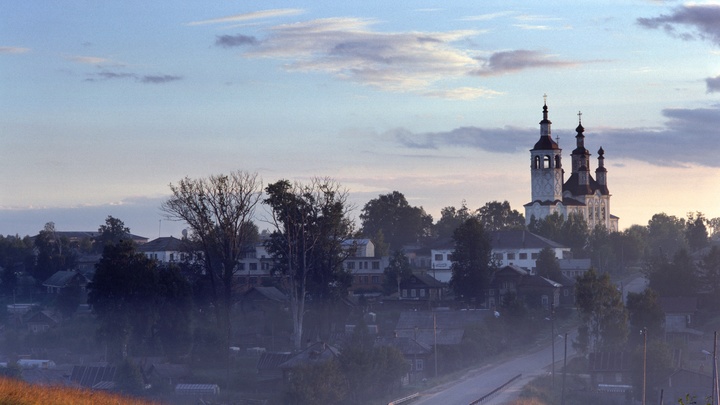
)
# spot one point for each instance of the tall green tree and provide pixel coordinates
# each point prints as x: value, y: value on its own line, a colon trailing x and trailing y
x: 112, y: 232
x: 311, y: 224
x: 400, y: 223
x: 572, y: 232
x: 471, y: 266
x: 547, y: 265
x: 673, y: 278
x: 602, y: 310
x: 666, y: 235
x: 499, y: 216
x: 695, y: 231
x: 450, y: 219
x: 645, y: 312
x: 709, y: 274
x: 219, y: 210
x: 398, y: 271
x: 53, y: 254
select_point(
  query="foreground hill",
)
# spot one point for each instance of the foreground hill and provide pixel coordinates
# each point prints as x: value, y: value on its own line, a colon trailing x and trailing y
x: 19, y: 393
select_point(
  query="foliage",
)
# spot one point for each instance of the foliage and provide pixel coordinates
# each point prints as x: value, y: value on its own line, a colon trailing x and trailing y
x: 68, y: 299
x: 398, y: 271
x: 601, y: 308
x: 709, y: 274
x: 498, y: 216
x: 547, y: 265
x: 322, y: 383
x: 12, y: 370
x: 695, y: 231
x: 666, y: 235
x: 450, y: 219
x: 572, y: 232
x: 645, y: 312
x: 131, y: 297
x: 400, y: 223
x: 658, y: 366
x: 53, y: 254
x: 471, y: 268
x: 673, y: 278
x: 111, y: 233
x: 20, y: 393
x: 218, y: 209
x: 311, y: 225
x: 15, y: 254
x: 129, y: 378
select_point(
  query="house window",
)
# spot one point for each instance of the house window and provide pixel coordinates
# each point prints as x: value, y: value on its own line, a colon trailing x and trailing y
x: 351, y: 265
x: 172, y: 257
x: 618, y: 377
x: 265, y: 265
x: 450, y: 257
x: 419, y: 365
x: 241, y: 266
x: 422, y: 293
x: 545, y: 301
x: 376, y: 279
x: 363, y: 279
x: 253, y: 266
x: 498, y: 256
x: 534, y: 256
x: 511, y: 256
x: 413, y: 293
x: 438, y: 257
x: 404, y: 293
x: 376, y: 265
x: 523, y: 256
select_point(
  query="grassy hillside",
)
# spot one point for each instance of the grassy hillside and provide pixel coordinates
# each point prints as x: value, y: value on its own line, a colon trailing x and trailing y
x: 13, y: 392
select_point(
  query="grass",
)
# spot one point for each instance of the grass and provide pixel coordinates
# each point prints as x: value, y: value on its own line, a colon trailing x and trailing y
x: 14, y: 392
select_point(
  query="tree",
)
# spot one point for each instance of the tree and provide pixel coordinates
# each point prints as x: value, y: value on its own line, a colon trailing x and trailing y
x: 471, y: 269
x: 673, y: 278
x: 398, y: 271
x: 450, y: 219
x: 666, y: 235
x: 311, y: 224
x: 122, y: 295
x: 709, y: 273
x: 603, y: 313
x: 498, y: 216
x: 321, y: 383
x: 645, y: 312
x: 218, y: 209
x: 572, y: 232
x: 696, y: 232
x: 53, y: 254
x: 112, y: 232
x: 659, y: 364
x: 547, y: 265
x: 401, y: 224
x: 69, y: 299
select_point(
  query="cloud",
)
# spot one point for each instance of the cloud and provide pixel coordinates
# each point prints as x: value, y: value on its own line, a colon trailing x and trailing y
x: 159, y: 78
x: 487, y: 17
x: 702, y: 19
x: 463, y: 93
x: 150, y: 79
x: 13, y: 50
x: 250, y: 16
x: 229, y: 41
x: 92, y: 60
x: 511, y: 61
x: 713, y: 84
x: 685, y: 139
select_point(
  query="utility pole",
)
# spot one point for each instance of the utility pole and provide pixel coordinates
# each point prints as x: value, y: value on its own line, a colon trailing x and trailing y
x: 552, y: 340
x: 562, y: 395
x: 644, y: 333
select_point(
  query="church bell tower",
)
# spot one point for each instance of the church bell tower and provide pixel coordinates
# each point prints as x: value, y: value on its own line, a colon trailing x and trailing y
x: 546, y: 164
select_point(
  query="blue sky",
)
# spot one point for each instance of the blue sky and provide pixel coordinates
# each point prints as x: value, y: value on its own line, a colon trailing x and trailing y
x: 106, y: 103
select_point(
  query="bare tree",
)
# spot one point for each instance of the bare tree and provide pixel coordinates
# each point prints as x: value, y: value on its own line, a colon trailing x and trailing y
x: 311, y: 225
x: 218, y: 209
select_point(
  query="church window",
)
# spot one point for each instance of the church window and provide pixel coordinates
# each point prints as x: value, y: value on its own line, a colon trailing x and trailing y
x: 536, y: 162
x: 546, y: 162
x: 557, y: 162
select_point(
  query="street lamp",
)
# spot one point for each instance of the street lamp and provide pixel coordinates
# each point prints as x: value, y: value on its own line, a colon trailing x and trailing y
x: 643, y: 332
x: 562, y: 395
x: 552, y: 340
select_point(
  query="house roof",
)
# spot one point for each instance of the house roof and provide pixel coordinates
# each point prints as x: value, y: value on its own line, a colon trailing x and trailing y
x: 428, y: 280
x: 164, y: 244
x: 539, y: 281
x: 521, y: 239
x: 272, y: 360
x: 574, y: 264
x: 90, y: 375
x: 406, y: 345
x: 317, y: 353
x: 270, y: 293
x: 609, y: 361
x: 511, y: 270
x: 43, y: 317
x: 62, y: 279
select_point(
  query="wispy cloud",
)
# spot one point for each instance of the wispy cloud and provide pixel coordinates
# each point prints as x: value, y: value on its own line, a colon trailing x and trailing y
x: 511, y: 61
x: 147, y: 79
x: 682, y: 141
x: 230, y: 41
x: 256, y: 15
x: 349, y: 49
x: 487, y: 17
x: 13, y: 50
x: 93, y: 60
x: 702, y: 20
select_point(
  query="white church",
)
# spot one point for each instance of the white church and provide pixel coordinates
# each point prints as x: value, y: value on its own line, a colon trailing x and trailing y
x: 580, y: 194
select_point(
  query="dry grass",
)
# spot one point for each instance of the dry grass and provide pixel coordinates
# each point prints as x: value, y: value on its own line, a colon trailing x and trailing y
x: 13, y: 392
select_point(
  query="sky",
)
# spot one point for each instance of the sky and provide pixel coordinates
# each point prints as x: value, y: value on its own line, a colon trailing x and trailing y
x: 104, y: 104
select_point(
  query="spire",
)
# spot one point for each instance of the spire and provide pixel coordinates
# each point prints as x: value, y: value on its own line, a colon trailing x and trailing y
x: 546, y: 142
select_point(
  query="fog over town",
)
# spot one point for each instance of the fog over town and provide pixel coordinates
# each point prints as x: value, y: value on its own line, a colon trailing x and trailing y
x: 360, y: 203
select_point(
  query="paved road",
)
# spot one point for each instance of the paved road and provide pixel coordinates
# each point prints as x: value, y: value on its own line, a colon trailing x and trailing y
x: 479, y: 382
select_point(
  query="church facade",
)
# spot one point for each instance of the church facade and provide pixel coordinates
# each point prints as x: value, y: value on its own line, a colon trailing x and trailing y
x: 581, y: 194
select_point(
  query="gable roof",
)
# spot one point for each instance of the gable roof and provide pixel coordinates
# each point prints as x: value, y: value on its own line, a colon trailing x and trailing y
x: 521, y: 239
x: 272, y: 360
x: 90, y: 376
x: 62, y: 278
x: 406, y: 345
x: 317, y: 353
x: 609, y: 361
x: 270, y: 293
x: 164, y: 244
